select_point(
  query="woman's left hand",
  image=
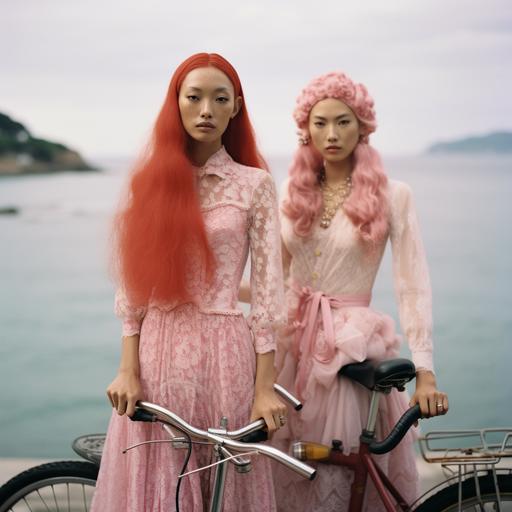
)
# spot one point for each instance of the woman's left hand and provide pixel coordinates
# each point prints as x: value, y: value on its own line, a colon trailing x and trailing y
x: 268, y: 406
x: 432, y: 402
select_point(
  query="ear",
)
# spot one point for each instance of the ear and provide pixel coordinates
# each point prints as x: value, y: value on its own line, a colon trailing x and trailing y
x: 237, y: 107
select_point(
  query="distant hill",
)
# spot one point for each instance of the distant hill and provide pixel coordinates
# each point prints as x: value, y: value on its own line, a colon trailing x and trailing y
x: 497, y: 142
x: 21, y: 153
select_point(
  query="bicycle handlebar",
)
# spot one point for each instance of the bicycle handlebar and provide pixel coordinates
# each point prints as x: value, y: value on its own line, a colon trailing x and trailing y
x: 286, y: 395
x: 154, y: 412
x: 399, y: 430
x: 252, y: 433
x: 242, y: 440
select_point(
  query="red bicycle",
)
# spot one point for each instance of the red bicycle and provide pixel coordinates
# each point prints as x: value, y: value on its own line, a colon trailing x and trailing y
x: 480, y: 488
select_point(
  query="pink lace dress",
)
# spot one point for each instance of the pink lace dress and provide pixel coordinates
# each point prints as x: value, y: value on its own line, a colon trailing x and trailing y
x: 198, y: 360
x: 332, y: 272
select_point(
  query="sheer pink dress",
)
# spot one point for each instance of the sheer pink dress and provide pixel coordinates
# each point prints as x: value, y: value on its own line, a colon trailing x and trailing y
x: 199, y: 360
x: 332, y: 267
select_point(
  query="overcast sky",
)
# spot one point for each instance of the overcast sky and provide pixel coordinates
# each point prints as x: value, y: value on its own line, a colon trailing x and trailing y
x: 93, y: 73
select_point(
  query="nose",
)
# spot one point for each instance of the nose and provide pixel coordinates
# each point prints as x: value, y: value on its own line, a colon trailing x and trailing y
x: 332, y: 136
x: 206, y: 111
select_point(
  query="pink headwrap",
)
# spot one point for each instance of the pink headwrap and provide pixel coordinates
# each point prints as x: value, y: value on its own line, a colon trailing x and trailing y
x: 339, y: 86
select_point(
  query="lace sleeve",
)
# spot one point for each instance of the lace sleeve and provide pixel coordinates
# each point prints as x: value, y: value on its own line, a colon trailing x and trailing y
x: 411, y: 276
x: 131, y: 316
x: 267, y: 297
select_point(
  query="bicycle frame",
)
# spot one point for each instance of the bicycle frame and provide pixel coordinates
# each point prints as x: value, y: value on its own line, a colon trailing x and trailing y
x: 363, y: 465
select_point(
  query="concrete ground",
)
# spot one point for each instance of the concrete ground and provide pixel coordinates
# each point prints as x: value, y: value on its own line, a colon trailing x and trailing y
x: 430, y: 473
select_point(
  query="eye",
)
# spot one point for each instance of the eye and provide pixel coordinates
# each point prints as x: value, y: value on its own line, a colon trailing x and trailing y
x: 319, y: 124
x: 344, y: 122
x: 222, y: 99
x: 192, y: 97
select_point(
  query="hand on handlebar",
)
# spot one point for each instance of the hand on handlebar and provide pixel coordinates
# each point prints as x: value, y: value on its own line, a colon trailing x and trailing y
x: 124, y: 391
x: 268, y: 406
x: 432, y: 402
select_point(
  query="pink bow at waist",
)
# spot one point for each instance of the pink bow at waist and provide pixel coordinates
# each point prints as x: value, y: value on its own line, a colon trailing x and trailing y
x: 314, y: 306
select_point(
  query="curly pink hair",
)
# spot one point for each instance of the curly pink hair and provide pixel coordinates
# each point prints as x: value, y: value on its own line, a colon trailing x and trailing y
x: 366, y: 206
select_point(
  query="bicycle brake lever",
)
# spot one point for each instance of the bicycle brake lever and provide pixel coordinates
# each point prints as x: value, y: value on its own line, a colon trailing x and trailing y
x: 242, y: 464
x: 178, y: 442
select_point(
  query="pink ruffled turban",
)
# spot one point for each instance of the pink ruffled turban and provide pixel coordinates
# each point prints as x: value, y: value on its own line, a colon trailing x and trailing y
x: 339, y: 86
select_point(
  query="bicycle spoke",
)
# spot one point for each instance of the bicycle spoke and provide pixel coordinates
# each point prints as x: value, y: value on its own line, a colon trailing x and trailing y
x: 28, y: 505
x: 55, y: 499
x: 85, y: 500
x: 42, y: 499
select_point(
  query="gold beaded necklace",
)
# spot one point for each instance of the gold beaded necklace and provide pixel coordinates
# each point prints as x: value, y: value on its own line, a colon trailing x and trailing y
x: 334, y: 197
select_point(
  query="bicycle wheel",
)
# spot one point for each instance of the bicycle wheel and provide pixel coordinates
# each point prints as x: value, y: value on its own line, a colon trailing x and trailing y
x: 447, y: 499
x: 53, y: 487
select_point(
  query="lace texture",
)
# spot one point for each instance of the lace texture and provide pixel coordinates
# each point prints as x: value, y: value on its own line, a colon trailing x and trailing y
x: 333, y: 260
x: 411, y: 276
x: 240, y: 209
x: 199, y: 359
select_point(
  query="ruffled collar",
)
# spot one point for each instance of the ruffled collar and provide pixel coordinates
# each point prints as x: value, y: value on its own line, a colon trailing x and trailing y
x: 219, y: 164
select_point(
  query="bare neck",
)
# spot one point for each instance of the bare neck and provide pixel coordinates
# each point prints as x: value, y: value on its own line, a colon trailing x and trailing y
x: 200, y: 152
x: 337, y: 172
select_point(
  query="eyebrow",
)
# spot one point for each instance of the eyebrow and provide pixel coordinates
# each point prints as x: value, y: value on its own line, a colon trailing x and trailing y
x: 219, y: 89
x: 321, y: 118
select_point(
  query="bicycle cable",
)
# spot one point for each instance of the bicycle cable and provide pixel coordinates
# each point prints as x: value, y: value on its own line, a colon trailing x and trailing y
x: 183, y: 469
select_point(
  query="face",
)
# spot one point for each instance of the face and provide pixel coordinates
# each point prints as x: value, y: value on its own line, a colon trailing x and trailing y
x: 207, y: 103
x: 334, y: 129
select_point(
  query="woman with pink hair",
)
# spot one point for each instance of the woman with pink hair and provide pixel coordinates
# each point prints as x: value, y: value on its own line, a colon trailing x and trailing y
x: 338, y: 212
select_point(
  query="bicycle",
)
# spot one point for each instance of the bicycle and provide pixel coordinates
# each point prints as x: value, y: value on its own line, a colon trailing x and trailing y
x: 481, y: 486
x: 474, y: 483
x: 69, y: 485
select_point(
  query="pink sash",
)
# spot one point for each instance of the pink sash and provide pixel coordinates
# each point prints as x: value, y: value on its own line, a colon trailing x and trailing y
x: 313, y: 307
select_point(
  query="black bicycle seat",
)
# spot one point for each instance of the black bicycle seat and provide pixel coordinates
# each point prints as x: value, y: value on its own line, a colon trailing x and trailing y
x: 381, y: 375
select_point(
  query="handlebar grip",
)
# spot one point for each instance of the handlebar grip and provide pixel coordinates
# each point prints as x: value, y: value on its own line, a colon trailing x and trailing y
x: 255, y: 437
x: 399, y: 430
x: 142, y: 415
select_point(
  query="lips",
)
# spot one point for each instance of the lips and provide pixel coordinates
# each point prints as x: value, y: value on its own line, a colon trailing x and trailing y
x: 333, y: 148
x: 205, y: 124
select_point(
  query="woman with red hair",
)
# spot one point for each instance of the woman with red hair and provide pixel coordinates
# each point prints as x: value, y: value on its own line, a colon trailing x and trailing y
x: 339, y: 210
x: 198, y: 203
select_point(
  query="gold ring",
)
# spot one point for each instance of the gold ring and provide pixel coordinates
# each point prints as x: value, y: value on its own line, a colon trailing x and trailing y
x: 440, y: 405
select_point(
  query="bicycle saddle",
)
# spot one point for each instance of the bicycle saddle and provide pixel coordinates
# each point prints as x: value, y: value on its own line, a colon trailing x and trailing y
x: 381, y: 375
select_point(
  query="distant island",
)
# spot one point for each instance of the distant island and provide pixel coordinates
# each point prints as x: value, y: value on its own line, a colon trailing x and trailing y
x: 497, y: 142
x: 21, y: 153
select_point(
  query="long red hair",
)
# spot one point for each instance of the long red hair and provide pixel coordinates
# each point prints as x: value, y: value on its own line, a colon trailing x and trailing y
x: 161, y: 221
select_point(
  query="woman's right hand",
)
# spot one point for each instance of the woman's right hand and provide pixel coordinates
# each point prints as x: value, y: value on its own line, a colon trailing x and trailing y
x: 124, y: 391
